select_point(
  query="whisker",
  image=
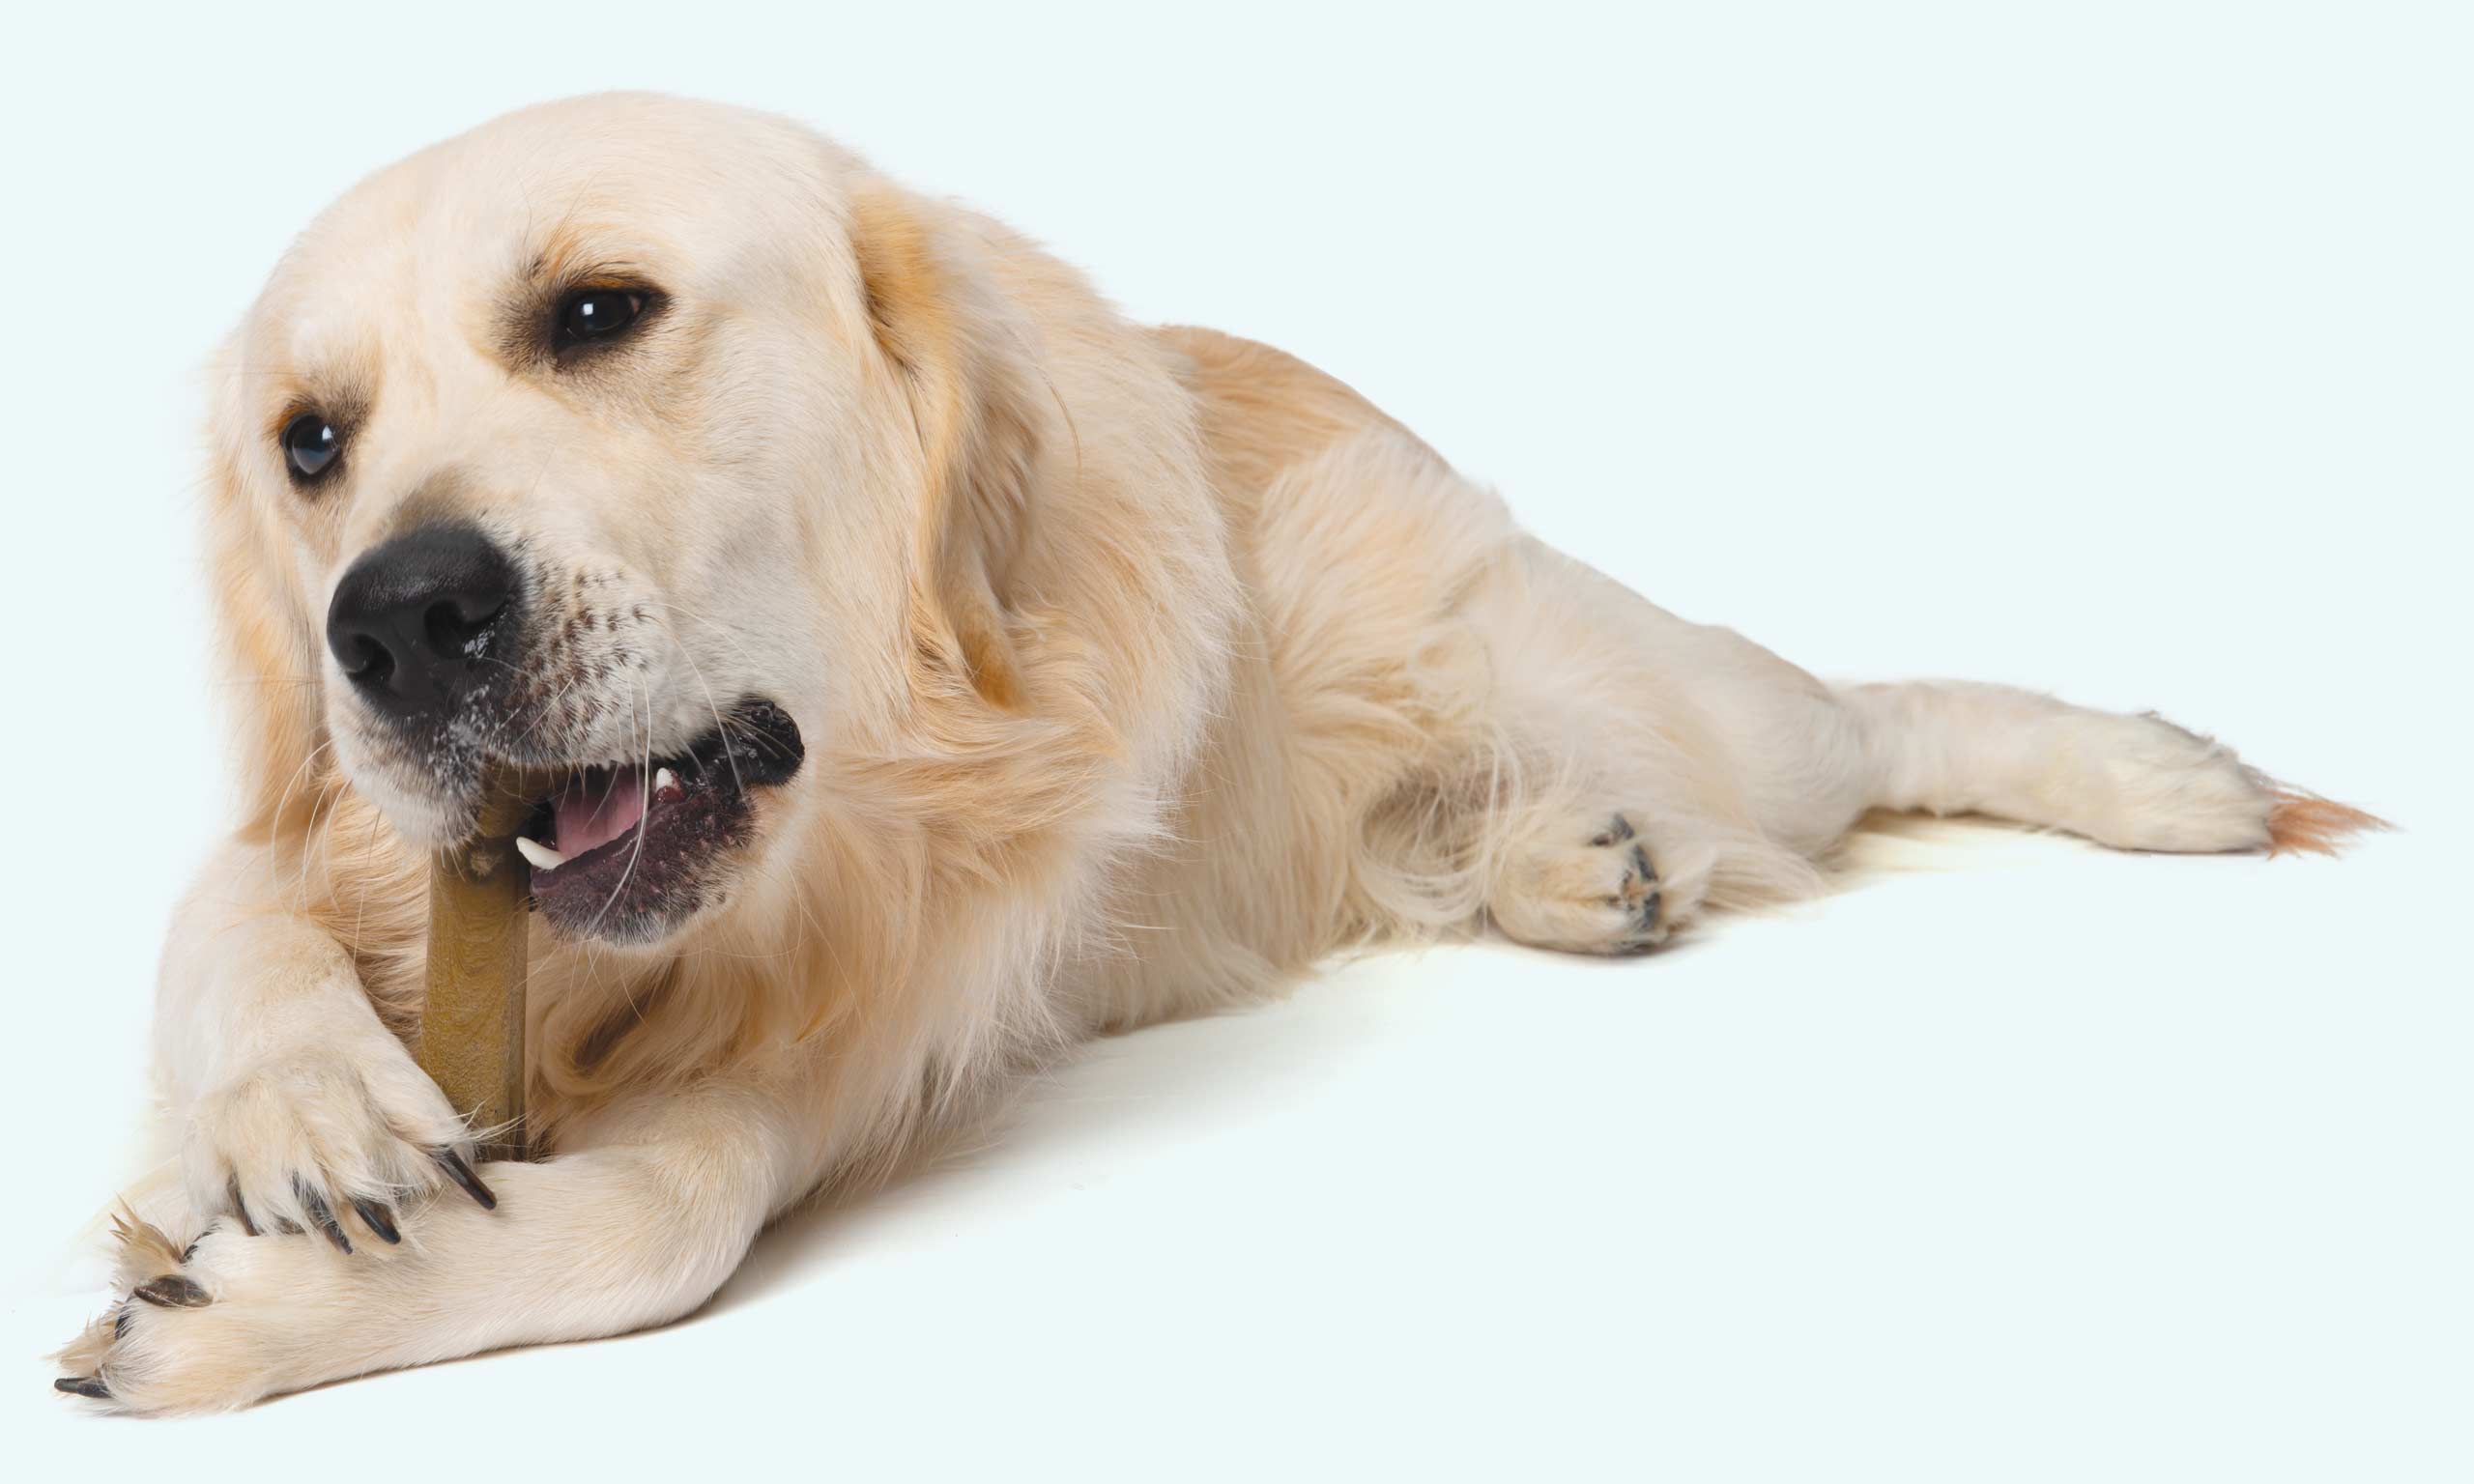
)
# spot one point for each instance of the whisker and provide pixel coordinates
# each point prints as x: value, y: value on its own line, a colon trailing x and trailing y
x: 720, y: 723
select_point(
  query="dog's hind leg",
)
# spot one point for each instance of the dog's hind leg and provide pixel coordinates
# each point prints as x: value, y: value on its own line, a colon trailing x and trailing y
x: 1644, y: 767
x: 2136, y: 782
x: 1661, y: 764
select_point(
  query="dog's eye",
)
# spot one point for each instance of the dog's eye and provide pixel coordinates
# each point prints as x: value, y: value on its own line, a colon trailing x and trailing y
x: 597, y: 314
x: 310, y: 443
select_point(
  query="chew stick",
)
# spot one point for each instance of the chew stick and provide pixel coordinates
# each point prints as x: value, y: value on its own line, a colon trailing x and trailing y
x: 471, y: 1041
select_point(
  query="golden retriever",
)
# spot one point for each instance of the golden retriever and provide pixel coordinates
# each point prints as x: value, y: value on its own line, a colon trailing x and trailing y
x: 939, y: 669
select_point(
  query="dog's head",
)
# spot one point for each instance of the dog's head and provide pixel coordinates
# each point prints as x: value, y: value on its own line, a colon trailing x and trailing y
x: 622, y: 446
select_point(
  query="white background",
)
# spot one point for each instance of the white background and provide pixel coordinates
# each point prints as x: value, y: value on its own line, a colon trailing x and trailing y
x: 2120, y: 350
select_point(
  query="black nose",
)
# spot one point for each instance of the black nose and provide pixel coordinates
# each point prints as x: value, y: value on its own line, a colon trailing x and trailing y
x: 416, y: 618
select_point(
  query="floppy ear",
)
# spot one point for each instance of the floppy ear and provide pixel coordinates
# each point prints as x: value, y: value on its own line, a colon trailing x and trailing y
x: 270, y: 666
x: 964, y: 371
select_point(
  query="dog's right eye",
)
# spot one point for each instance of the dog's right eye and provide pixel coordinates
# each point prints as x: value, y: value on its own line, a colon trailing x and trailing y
x: 310, y: 443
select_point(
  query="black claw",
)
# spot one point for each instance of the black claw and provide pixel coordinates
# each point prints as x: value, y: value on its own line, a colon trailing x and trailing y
x: 1649, y: 913
x: 171, y: 1291
x: 316, y: 1205
x: 190, y: 1250
x: 462, y: 1174
x: 1641, y: 864
x: 241, y: 1208
x: 83, y: 1385
x: 119, y: 1324
x: 1618, y: 830
x: 375, y: 1216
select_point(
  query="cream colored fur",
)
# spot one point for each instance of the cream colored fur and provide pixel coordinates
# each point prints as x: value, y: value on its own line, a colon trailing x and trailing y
x: 1140, y: 669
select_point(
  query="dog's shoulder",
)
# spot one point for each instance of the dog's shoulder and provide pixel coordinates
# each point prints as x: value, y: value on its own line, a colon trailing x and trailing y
x: 1262, y: 409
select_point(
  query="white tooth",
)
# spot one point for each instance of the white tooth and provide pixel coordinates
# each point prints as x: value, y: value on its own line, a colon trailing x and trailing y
x: 665, y: 781
x: 542, y: 857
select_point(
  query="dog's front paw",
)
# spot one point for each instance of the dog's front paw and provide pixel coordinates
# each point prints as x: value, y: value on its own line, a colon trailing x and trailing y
x: 330, y: 1138
x: 209, y: 1328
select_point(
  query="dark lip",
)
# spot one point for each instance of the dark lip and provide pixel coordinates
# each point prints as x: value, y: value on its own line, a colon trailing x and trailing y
x: 641, y: 885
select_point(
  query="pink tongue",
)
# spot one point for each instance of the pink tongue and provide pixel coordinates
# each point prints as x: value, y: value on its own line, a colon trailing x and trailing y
x: 595, y: 812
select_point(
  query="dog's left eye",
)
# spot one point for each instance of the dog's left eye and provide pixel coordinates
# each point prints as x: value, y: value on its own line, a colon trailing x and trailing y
x: 309, y: 444
x: 597, y: 314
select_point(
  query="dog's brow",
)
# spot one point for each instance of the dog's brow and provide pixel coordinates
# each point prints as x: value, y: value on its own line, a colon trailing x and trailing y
x: 343, y: 395
x: 567, y: 254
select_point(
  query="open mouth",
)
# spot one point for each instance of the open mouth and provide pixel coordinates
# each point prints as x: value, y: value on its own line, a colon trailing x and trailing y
x: 627, y: 851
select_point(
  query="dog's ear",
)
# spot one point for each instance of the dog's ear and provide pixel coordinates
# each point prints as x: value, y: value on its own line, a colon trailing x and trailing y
x: 269, y: 666
x: 952, y: 343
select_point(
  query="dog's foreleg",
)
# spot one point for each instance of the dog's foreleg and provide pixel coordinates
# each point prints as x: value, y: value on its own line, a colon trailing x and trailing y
x: 295, y: 1107
x: 637, y: 1228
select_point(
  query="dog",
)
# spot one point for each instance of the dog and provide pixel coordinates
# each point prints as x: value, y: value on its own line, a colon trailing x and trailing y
x: 932, y: 670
